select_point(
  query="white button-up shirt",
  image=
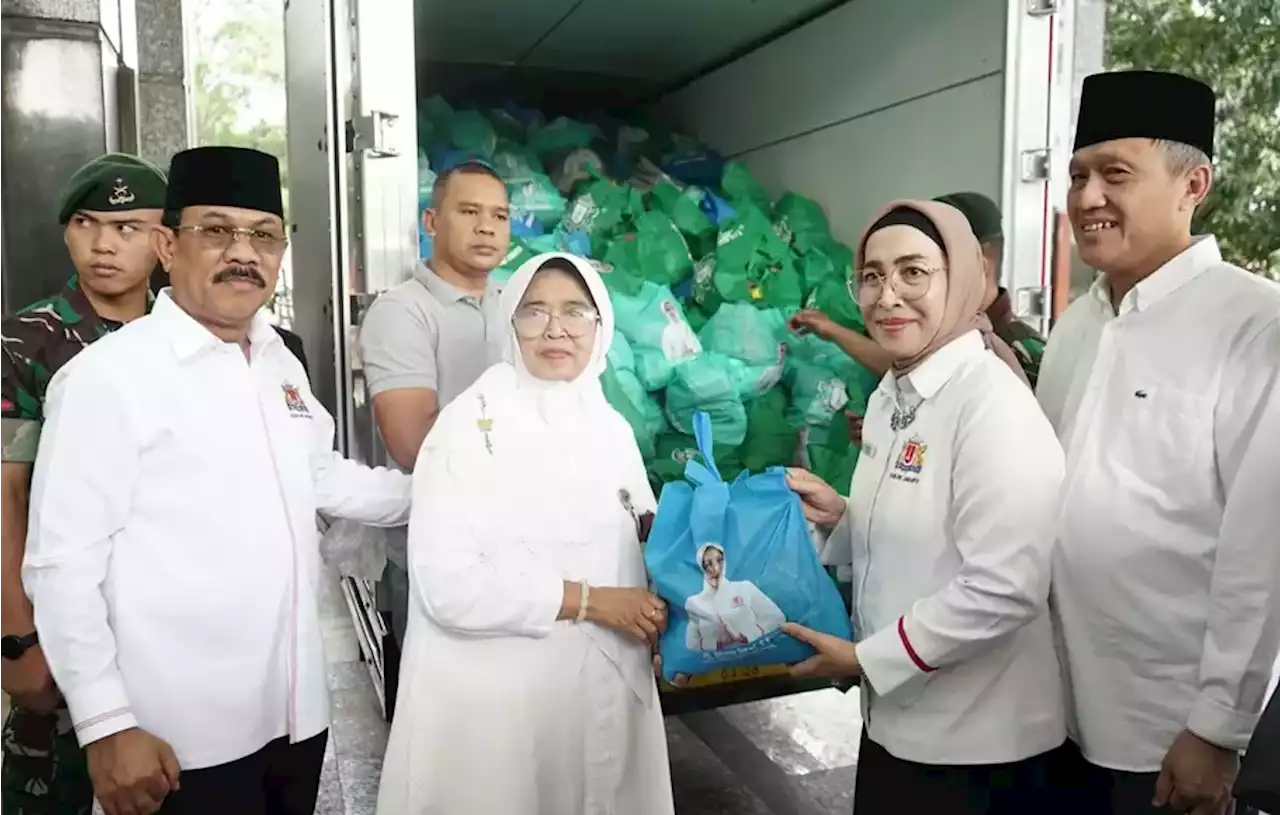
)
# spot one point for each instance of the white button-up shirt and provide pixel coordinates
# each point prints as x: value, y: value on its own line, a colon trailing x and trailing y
x: 949, y: 528
x: 1167, y: 568
x: 172, y: 554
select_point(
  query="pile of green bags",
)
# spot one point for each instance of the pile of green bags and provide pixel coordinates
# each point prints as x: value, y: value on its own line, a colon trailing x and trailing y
x: 704, y: 269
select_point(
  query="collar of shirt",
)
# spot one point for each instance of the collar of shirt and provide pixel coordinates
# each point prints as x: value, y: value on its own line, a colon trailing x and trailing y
x: 189, y: 338
x: 1180, y: 270
x: 929, y: 377
x: 446, y: 292
x: 83, y: 313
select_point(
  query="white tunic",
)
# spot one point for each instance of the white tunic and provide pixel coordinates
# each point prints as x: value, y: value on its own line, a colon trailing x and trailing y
x: 172, y: 555
x: 949, y: 528
x: 1168, y: 560
x: 502, y: 708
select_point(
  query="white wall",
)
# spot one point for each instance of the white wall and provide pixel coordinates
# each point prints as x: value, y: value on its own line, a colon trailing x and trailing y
x: 879, y: 99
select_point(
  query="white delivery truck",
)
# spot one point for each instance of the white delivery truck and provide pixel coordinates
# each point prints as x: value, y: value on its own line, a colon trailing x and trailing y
x: 849, y: 103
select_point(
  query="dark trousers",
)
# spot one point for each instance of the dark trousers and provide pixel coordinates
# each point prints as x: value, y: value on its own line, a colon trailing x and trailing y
x: 279, y: 779
x: 1090, y: 788
x: 888, y: 785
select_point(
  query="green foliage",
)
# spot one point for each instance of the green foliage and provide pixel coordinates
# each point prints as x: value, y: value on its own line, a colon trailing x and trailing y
x: 1233, y: 46
x: 239, y: 77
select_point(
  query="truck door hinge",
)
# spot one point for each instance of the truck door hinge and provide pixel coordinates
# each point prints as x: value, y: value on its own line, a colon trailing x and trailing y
x: 1031, y: 302
x: 1035, y: 164
x: 375, y: 134
x: 1043, y: 8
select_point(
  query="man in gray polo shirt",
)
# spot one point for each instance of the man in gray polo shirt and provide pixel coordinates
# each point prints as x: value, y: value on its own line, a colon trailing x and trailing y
x: 428, y: 339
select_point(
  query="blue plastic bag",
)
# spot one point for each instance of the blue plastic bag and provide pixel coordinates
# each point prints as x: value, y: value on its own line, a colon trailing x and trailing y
x: 733, y: 562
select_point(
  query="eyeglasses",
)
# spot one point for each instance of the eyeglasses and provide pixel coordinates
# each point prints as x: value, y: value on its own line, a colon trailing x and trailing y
x: 531, y: 322
x: 908, y: 282
x: 219, y: 238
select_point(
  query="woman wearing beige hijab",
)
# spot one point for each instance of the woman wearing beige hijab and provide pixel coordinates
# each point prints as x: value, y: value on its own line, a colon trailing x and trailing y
x: 947, y: 532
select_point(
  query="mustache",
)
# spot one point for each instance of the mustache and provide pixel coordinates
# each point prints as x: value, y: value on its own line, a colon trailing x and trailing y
x: 241, y: 273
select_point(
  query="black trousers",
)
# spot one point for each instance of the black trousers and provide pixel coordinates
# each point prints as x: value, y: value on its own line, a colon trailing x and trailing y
x: 1090, y: 788
x: 888, y: 785
x: 279, y: 779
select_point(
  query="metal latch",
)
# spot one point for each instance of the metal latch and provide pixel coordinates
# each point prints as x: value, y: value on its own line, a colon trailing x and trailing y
x: 1043, y: 8
x: 1031, y: 302
x: 375, y: 134
x: 1035, y: 164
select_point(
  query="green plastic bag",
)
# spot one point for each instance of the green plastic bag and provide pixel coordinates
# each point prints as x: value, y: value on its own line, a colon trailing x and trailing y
x: 817, y: 395
x: 802, y: 223
x: 753, y: 380
x: 469, y: 130
x: 561, y: 134
x: 816, y: 268
x: 704, y: 286
x: 696, y: 316
x: 654, y: 319
x: 771, y: 440
x: 664, y: 255
x: 623, y: 391
x: 754, y: 335
x: 601, y: 209
x: 655, y: 417
x: 741, y: 188
x: 660, y: 336
x: 832, y: 299
x: 703, y: 383
x: 754, y: 265
x: 506, y: 126
x: 620, y: 267
x: 685, y: 210
x: 675, y: 450
x: 835, y: 459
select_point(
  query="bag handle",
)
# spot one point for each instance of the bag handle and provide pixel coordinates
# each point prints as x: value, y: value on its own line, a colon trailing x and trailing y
x: 704, y: 472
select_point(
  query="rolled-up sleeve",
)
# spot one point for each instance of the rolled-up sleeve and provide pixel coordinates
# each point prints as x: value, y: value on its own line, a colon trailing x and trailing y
x: 1243, y: 629
x: 84, y: 478
x: 1006, y: 477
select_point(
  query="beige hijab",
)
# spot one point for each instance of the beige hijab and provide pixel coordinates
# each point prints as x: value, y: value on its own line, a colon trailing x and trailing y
x: 966, y: 284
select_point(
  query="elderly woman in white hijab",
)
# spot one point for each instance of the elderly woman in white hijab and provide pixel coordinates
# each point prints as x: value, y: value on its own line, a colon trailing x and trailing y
x: 527, y: 683
x: 727, y: 612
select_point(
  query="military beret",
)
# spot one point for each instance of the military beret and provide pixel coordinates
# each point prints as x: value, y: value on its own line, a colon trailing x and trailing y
x: 980, y: 211
x: 114, y: 182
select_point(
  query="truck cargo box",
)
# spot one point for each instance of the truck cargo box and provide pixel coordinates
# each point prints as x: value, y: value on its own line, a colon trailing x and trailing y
x: 848, y: 103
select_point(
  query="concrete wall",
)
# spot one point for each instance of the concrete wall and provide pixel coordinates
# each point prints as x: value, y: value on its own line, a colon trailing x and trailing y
x: 162, y: 86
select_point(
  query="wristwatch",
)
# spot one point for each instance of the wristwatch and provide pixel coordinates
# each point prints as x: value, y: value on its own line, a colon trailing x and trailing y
x: 13, y: 646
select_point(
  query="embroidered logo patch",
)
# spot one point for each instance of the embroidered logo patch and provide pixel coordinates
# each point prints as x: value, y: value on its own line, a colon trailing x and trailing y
x: 293, y: 400
x: 911, y: 457
x: 737, y: 601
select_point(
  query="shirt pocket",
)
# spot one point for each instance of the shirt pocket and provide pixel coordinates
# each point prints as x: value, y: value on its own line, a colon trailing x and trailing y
x: 1161, y: 433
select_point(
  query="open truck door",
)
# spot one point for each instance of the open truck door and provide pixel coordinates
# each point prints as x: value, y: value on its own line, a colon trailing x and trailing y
x: 849, y: 103
x: 353, y: 201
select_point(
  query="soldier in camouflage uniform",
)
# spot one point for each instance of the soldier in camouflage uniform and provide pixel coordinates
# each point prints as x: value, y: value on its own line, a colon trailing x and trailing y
x: 984, y: 219
x: 108, y: 209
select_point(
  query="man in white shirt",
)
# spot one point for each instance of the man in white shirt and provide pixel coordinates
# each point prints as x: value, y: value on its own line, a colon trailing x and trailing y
x: 172, y: 555
x: 1163, y: 384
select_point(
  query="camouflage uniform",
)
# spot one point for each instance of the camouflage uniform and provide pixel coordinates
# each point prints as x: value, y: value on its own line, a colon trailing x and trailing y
x: 1022, y: 338
x: 44, y: 769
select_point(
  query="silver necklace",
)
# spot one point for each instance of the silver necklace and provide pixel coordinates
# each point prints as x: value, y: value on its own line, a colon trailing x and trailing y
x: 902, y: 417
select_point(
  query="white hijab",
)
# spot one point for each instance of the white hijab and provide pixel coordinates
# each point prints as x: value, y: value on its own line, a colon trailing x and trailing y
x: 560, y: 403
x: 530, y: 473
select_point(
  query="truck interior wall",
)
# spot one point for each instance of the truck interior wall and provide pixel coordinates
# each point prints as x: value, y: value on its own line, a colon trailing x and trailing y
x: 876, y: 100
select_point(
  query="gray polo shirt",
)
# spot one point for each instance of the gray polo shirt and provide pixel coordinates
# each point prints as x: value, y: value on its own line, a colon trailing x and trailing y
x: 426, y: 333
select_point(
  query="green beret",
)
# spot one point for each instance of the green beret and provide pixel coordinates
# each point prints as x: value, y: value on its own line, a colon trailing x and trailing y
x: 115, y: 182
x: 981, y: 212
